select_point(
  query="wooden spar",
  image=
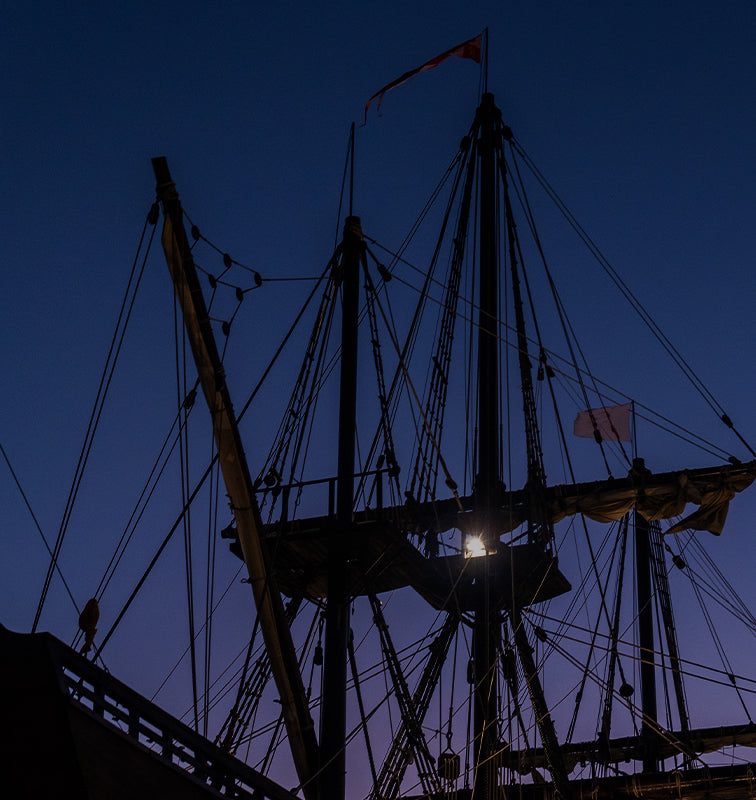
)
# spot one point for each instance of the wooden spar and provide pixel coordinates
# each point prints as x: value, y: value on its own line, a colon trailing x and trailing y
x: 299, y: 725
x: 729, y: 782
x: 668, y: 745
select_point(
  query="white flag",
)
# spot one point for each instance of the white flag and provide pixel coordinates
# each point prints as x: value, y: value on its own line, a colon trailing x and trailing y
x: 612, y: 422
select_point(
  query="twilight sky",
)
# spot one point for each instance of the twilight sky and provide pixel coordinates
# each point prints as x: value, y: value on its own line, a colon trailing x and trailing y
x: 641, y: 115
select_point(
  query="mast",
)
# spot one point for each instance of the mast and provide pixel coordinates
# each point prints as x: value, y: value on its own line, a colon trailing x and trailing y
x: 486, y: 629
x: 331, y: 785
x: 646, y: 642
x: 489, y: 491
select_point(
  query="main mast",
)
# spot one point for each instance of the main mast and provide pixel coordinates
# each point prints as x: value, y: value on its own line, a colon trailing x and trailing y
x: 487, y: 623
x: 489, y: 489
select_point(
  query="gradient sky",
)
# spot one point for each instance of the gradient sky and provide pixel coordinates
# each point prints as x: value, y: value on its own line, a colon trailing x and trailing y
x: 642, y: 115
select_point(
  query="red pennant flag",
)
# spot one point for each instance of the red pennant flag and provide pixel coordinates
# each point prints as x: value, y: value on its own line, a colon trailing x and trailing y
x: 470, y: 49
x: 611, y: 422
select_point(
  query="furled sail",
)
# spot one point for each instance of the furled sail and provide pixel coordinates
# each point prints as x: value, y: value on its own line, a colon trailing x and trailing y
x: 658, y: 497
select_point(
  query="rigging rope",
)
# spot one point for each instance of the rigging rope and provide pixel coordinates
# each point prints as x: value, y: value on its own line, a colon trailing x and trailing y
x: 722, y: 680
x: 385, y: 420
x: 361, y: 706
x: 181, y: 392
x: 593, y: 248
x: 607, y: 393
x: 664, y: 735
x: 208, y: 470
x: 122, y: 322
x: 450, y: 482
x: 568, y: 330
x: 426, y: 469
x: 157, y: 555
x: 212, y: 535
x: 726, y: 597
x: 39, y: 529
x: 141, y: 504
x: 728, y: 670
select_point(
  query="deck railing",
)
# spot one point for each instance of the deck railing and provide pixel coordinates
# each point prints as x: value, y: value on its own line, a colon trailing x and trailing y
x: 148, y: 726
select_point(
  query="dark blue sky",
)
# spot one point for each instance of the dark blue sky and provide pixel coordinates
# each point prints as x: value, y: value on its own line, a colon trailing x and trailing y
x: 642, y: 115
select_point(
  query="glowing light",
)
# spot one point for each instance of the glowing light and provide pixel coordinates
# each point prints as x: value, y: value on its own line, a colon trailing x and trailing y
x: 474, y: 547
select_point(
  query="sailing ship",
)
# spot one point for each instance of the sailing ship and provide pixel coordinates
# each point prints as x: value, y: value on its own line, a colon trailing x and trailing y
x: 434, y: 614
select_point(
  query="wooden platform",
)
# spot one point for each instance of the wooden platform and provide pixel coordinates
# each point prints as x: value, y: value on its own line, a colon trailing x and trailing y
x: 383, y: 558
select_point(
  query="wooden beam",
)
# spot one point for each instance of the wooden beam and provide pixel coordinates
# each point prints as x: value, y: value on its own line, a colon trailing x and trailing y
x: 299, y: 724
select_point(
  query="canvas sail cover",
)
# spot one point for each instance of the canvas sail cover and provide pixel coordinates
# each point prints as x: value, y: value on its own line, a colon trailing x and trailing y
x: 659, y: 497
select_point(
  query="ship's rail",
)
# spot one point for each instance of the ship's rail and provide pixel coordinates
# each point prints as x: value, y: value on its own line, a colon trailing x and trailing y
x: 372, y: 491
x: 126, y: 713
